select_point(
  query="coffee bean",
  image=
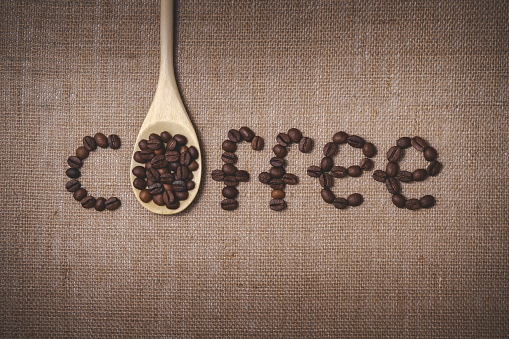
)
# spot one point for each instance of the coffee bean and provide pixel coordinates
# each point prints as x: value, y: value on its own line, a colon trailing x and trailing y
x: 168, y: 187
x: 74, y: 162
x: 305, y: 145
x: 314, y: 171
x: 79, y: 194
x: 230, y: 180
x: 190, y: 185
x: 326, y: 163
x: 159, y: 151
x: 154, y: 144
x: 114, y: 143
x: 392, y: 169
x: 327, y: 195
x: 433, y: 168
x: 392, y: 185
x: 283, y: 139
x: 185, y: 159
x: 167, y: 178
x: 229, y: 169
x: 165, y: 136
x: 404, y: 176
x: 101, y: 140
x: 143, y: 144
x: 137, y: 157
x: 369, y: 150
x: 329, y: 149
x: 193, y: 166
x: 154, y: 136
x: 257, y: 143
x: 394, y: 154
x: 419, y: 144
x: 147, y: 154
x: 355, y: 141
x: 153, y: 174
x: 112, y: 203
x: 159, y: 161
x: 280, y: 151
x: 149, y: 183
x: 379, y: 175
x: 277, y: 172
x: 419, y: 175
x: 72, y: 185
x: 340, y: 203
x: 183, y: 149
x: 87, y: 202
x: 229, y: 204
x: 326, y: 180
x: 339, y: 172
x: 290, y: 179
x: 294, y: 134
x: 354, y: 171
x: 172, y: 145
x: 182, y: 173
x: 398, y: 200
x: 366, y: 164
x: 339, y: 138
x: 229, y: 146
x: 139, y: 172
x: 264, y: 178
x: 194, y: 152
x: 172, y: 166
x: 180, y: 139
x: 229, y: 158
x: 229, y: 192
x: 163, y: 170
x: 100, y: 203
x: 277, y: 204
x: 82, y: 153
x: 355, y: 199
x: 179, y: 186
x: 277, y: 194
x: 73, y: 173
x: 277, y: 162
x: 182, y: 195
x: 169, y: 198
x: 277, y: 183
x: 156, y: 188
x: 404, y: 142
x: 89, y: 143
x: 413, y: 204
x: 172, y: 156
x: 218, y: 175
x: 158, y: 199
x: 234, y: 135
x: 430, y: 153
x: 427, y: 201
x: 145, y: 196
x: 247, y: 133
x: 139, y: 183
x: 242, y: 176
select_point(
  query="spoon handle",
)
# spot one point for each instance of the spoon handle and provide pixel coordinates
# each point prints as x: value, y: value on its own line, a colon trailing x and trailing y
x: 166, y: 71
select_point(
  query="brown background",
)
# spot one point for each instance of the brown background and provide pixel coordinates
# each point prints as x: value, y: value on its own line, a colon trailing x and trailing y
x: 381, y: 70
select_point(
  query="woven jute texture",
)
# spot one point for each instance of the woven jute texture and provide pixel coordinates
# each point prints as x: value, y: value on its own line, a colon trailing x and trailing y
x: 378, y: 69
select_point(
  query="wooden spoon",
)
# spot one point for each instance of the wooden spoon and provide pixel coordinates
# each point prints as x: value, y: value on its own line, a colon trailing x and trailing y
x: 167, y: 112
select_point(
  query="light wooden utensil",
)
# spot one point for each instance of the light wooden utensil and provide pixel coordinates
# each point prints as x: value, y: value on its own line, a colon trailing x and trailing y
x: 167, y: 112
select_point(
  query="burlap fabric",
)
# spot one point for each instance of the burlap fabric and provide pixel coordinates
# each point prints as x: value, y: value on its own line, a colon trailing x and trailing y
x: 381, y: 70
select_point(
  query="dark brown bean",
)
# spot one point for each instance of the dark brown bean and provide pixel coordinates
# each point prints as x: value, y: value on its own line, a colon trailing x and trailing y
x: 419, y: 175
x: 398, y: 200
x: 101, y: 140
x: 242, y: 176
x: 145, y: 196
x: 230, y: 180
x: 247, y: 133
x: 182, y: 173
x: 329, y: 149
x: 159, y: 161
x: 283, y: 139
x: 217, y: 175
x: 114, y: 143
x: 172, y: 145
x: 172, y: 156
x: 290, y: 179
x: 339, y: 172
x: 264, y: 178
x: 89, y: 143
x: 234, y: 135
x: 327, y: 195
x: 354, y: 171
x: 277, y: 162
x: 154, y: 136
x: 277, y: 204
x: 277, y: 194
x: 185, y: 159
x: 193, y: 166
x: 326, y: 180
x: 82, y: 153
x: 326, y: 163
x: 369, y: 150
x: 229, y: 157
x: 404, y: 142
x: 139, y: 183
x: 392, y: 169
x: 229, y: 169
x: 305, y: 145
x: 182, y: 140
x: 156, y: 188
x: 147, y: 154
x: 229, y: 146
x: 74, y: 162
x: 366, y: 164
x: 87, y: 202
x: 79, y: 194
x: 277, y: 172
x: 165, y: 136
x: 194, y: 152
x: 257, y: 143
x: 72, y: 185
x: 279, y: 151
x: 314, y: 171
x: 294, y: 134
x: 339, y: 138
x: 100, y: 203
x: 73, y: 173
x: 413, y: 204
x: 394, y: 153
x: 154, y: 144
x: 355, y: 199
x: 179, y: 186
x: 167, y: 178
x: 139, y: 172
x: 355, y: 141
x: 277, y: 183
x: 404, y: 176
x: 427, y: 201
x: 158, y: 199
x: 380, y: 176
x: 433, y: 168
x: 419, y: 144
x: 229, y: 204
x: 143, y: 144
x: 153, y: 174
x: 112, y: 203
x: 392, y: 185
x: 430, y: 153
x: 190, y: 185
x: 229, y: 192
x: 340, y: 203
x: 169, y: 198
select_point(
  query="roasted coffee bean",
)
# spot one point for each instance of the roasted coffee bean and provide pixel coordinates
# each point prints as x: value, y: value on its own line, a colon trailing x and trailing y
x: 82, y: 153
x: 326, y: 163
x: 87, y: 202
x: 172, y: 145
x: 154, y: 144
x: 182, y: 140
x: 280, y: 151
x: 229, y: 169
x: 392, y: 169
x: 242, y: 176
x: 147, y: 154
x: 229, y: 146
x: 145, y: 196
x: 153, y: 174
x: 277, y: 172
x: 277, y: 162
x: 230, y: 180
x: 165, y: 136
x: 326, y: 180
x: 355, y: 199
x: 100, y: 204
x: 168, y: 187
x: 413, y: 204
x: 340, y: 203
x: 139, y: 183
x: 149, y: 183
x: 74, y: 162
x: 257, y: 143
x: 229, y: 204
x: 172, y: 166
x: 73, y: 173
x: 354, y: 171
x: 154, y: 136
x: 182, y: 195
x: 294, y: 134
x: 355, y: 141
x: 193, y: 166
x: 137, y: 157
x: 156, y: 188
x: 314, y: 171
x: 277, y: 204
x: 159, y: 151
x: 380, y: 176
x: 182, y: 173
x: 112, y: 203
x: 404, y: 176
x: 283, y: 139
x: 72, y: 185
x: 194, y: 152
x: 404, y: 142
x: 183, y: 149
x: 329, y: 149
x: 427, y: 201
x: 419, y: 175
x: 179, y: 186
x: 172, y: 156
x: 234, y: 135
x: 169, y: 198
x: 114, y: 143
x: 101, y: 140
x: 264, y: 177
x: 366, y: 164
x: 89, y: 143
x: 159, y: 161
x: 229, y: 158
x: 305, y: 145
x: 433, y: 168
x: 392, y: 185
x: 229, y: 192
x: 419, y: 144
x: 277, y: 194
x: 217, y: 175
x: 158, y: 199
x: 394, y: 154
x: 79, y: 194
x: 139, y: 172
x: 339, y: 137
x: 327, y: 195
x: 398, y: 200
x: 167, y: 178
x: 430, y: 153
x: 163, y: 170
x: 339, y: 172
x: 185, y: 159
x: 290, y: 179
x: 247, y: 133
x: 143, y: 144
x: 369, y: 150
x: 277, y: 183
x: 190, y: 185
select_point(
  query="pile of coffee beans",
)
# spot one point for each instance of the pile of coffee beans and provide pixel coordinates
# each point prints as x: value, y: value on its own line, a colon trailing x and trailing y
x: 229, y: 174
x: 392, y: 176
x: 277, y: 177
x: 326, y: 172
x: 167, y: 174
x: 76, y: 161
